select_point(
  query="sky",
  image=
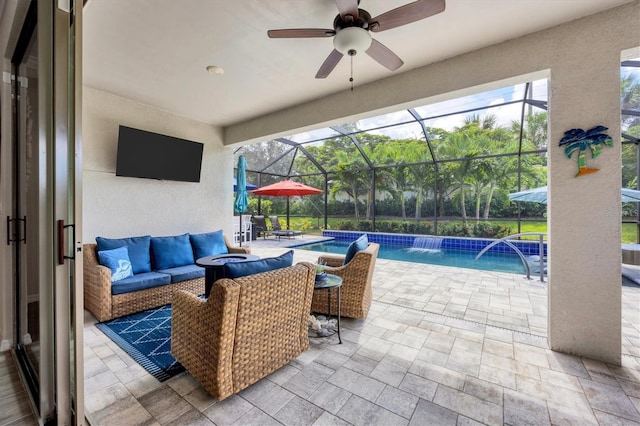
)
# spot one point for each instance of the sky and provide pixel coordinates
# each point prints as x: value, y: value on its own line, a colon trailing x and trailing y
x: 495, y: 99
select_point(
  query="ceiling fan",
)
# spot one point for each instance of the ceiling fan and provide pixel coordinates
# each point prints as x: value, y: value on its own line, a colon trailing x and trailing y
x: 351, y: 29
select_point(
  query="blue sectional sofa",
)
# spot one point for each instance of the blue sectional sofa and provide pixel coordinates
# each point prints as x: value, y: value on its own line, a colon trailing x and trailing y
x: 127, y: 275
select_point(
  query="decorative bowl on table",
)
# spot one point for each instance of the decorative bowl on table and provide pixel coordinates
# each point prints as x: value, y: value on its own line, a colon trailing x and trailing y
x: 321, y: 277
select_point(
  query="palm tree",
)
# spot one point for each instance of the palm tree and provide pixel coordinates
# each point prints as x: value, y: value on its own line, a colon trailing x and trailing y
x: 534, y: 129
x: 630, y: 99
x: 420, y: 175
x: 504, y: 170
x: 349, y: 179
x: 459, y: 146
x: 396, y: 179
x: 579, y: 140
x: 484, y: 122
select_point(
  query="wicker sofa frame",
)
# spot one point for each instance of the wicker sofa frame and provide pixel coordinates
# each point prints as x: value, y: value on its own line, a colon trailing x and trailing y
x: 105, y: 306
x: 357, y: 276
x: 246, y: 329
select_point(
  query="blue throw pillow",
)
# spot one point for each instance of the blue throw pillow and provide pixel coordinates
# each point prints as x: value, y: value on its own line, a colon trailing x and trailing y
x: 170, y: 252
x: 359, y: 244
x: 241, y: 269
x: 118, y: 261
x: 138, y: 248
x: 209, y: 244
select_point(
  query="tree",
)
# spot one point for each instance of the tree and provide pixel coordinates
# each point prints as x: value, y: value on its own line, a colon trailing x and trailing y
x: 630, y: 99
x: 535, y: 128
x: 260, y: 155
x: 348, y: 180
x: 420, y: 176
x: 504, y: 171
x: 485, y: 121
x: 458, y: 146
x: 396, y: 179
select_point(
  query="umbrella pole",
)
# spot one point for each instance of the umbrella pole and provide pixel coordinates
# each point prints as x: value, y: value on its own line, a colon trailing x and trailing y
x: 240, y: 233
x: 287, y: 213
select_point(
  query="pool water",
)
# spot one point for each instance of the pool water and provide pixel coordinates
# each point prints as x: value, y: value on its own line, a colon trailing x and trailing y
x: 497, y: 262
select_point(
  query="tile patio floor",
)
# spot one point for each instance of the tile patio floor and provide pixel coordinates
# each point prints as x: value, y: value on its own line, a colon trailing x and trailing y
x: 441, y: 345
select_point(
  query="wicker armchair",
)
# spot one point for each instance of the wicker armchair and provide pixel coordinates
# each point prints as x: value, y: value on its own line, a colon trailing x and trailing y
x: 355, y: 294
x: 246, y: 329
x: 105, y: 306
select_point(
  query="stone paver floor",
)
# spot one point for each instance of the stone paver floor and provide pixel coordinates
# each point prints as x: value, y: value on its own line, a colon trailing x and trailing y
x: 440, y: 346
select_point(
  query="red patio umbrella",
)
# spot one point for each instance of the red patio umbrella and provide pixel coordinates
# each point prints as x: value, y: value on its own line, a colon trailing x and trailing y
x: 287, y: 188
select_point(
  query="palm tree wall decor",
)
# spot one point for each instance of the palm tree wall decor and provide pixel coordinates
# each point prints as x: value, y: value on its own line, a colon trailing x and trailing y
x: 579, y: 140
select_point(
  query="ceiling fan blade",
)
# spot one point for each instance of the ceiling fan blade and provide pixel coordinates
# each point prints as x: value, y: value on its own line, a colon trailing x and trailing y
x: 384, y: 56
x: 406, y: 14
x: 348, y: 7
x: 329, y: 64
x: 301, y: 33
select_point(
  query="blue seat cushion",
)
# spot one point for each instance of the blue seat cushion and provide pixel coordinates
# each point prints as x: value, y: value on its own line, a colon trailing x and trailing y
x: 140, y: 282
x: 360, y: 244
x: 138, y: 248
x: 118, y: 261
x: 183, y: 273
x: 169, y: 252
x: 209, y: 244
x: 241, y: 269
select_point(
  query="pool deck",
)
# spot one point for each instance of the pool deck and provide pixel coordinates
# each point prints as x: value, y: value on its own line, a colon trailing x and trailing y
x: 503, y: 301
x: 441, y: 345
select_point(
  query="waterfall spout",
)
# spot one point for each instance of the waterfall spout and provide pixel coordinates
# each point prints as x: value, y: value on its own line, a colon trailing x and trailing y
x: 427, y: 244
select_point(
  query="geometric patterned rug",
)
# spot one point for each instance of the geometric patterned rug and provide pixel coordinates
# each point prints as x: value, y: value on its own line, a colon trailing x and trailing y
x: 146, y: 337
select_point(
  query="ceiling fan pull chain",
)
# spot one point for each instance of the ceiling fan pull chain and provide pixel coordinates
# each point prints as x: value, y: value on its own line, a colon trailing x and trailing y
x: 351, y: 78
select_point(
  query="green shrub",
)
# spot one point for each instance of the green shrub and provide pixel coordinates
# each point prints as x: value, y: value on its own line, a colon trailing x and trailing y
x: 304, y: 225
x: 345, y: 225
x: 452, y: 229
x: 365, y: 226
x: 478, y: 230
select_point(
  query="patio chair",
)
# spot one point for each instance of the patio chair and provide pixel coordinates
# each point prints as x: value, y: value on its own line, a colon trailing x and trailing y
x: 246, y: 329
x: 260, y: 225
x: 355, y: 294
x: 277, y: 230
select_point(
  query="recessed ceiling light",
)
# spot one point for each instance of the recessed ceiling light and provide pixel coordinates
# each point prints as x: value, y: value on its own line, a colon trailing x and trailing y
x: 215, y: 70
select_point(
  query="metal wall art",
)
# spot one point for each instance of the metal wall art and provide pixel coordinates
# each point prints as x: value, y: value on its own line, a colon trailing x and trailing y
x: 578, y: 140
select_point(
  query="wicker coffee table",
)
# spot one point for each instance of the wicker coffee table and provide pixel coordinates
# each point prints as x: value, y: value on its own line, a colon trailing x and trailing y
x: 213, y: 267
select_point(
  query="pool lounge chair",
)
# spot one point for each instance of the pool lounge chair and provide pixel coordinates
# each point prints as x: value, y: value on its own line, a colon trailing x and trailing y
x: 260, y: 225
x: 277, y: 230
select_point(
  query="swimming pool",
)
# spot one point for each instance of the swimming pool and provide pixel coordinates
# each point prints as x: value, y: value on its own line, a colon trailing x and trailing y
x: 498, y: 262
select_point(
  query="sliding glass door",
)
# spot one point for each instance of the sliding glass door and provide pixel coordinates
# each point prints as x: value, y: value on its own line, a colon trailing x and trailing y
x: 43, y: 228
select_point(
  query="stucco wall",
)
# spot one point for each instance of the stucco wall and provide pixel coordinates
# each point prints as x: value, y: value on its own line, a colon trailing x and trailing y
x: 116, y: 206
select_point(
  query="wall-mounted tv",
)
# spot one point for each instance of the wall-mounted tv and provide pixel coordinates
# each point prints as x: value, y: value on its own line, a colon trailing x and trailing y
x: 151, y: 155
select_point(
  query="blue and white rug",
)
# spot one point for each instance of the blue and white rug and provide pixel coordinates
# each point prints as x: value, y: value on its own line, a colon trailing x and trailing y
x: 146, y: 337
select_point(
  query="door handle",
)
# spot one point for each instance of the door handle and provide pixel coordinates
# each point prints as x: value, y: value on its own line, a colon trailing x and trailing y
x: 16, y: 234
x: 61, y: 249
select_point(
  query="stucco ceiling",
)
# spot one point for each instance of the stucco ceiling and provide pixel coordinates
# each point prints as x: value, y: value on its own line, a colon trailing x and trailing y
x: 156, y: 51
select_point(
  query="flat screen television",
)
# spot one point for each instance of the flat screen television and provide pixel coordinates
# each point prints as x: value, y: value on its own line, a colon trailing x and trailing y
x: 150, y: 155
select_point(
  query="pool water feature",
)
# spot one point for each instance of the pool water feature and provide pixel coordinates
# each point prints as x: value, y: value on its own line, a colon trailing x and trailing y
x: 427, y: 244
x: 498, y: 262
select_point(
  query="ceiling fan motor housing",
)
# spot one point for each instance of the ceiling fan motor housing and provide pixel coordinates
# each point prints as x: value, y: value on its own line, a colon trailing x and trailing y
x: 362, y: 21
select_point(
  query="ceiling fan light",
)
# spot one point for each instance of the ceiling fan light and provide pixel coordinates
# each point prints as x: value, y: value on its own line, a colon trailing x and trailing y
x: 352, y: 38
